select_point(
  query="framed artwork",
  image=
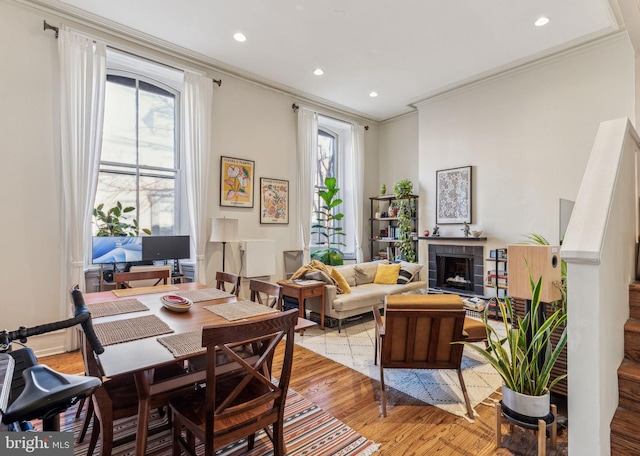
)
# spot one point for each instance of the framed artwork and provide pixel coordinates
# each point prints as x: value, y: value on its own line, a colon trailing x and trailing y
x: 274, y: 201
x: 236, y: 182
x: 453, y: 195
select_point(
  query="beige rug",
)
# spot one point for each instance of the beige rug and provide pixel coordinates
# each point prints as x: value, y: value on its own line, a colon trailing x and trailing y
x: 354, y: 348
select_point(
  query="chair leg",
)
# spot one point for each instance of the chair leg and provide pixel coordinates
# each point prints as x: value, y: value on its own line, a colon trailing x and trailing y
x: 383, y: 393
x: 279, y: 447
x: 80, y: 407
x: 85, y: 424
x: 466, y: 395
x: 95, y: 433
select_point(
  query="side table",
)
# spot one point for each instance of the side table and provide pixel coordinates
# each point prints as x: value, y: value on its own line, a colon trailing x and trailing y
x: 302, y: 290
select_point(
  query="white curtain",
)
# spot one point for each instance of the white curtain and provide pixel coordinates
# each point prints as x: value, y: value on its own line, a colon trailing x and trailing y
x: 307, y: 145
x: 357, y: 157
x: 198, y: 101
x: 82, y: 88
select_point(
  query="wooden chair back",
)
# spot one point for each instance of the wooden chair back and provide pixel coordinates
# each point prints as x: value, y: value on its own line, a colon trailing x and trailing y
x: 419, y: 332
x: 224, y: 279
x: 239, y: 403
x: 123, y: 279
x: 268, y: 294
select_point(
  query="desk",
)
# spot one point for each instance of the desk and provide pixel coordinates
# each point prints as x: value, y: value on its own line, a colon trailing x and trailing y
x: 302, y: 291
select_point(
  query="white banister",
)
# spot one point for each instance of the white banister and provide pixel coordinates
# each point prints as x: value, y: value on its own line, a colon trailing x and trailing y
x: 599, y: 248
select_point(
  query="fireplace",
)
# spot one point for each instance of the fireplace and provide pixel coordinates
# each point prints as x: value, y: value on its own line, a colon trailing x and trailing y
x: 457, y: 269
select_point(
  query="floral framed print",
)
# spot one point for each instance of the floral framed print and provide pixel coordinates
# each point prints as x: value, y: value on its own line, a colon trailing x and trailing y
x: 236, y: 182
x: 453, y: 195
x: 274, y: 201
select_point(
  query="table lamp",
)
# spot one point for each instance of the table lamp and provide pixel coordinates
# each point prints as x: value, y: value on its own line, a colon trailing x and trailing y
x: 223, y: 230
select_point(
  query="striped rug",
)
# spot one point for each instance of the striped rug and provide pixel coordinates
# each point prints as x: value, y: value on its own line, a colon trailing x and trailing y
x: 308, y: 431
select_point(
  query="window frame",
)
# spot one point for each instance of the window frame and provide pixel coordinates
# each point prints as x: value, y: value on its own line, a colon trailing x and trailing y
x: 139, y: 70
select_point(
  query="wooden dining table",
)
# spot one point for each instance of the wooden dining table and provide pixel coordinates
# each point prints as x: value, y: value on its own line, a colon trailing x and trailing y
x: 140, y: 357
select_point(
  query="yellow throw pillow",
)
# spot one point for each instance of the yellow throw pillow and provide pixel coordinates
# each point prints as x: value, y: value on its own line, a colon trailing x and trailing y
x: 387, y: 274
x: 341, y: 282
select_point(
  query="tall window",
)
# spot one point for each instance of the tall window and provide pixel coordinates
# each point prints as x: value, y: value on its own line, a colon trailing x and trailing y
x: 334, y: 149
x: 140, y: 159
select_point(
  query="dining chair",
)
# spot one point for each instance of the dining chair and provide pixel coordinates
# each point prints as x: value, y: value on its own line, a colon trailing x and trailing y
x: 242, y: 397
x: 266, y: 293
x: 232, y: 280
x: 420, y: 332
x: 125, y: 279
x: 118, y: 398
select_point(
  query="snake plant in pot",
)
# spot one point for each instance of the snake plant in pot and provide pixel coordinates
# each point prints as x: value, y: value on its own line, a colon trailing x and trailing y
x: 525, y: 357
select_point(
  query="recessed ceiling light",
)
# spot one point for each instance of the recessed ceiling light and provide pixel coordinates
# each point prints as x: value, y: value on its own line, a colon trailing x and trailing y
x: 240, y: 37
x: 318, y: 71
x: 541, y: 21
x: 373, y: 94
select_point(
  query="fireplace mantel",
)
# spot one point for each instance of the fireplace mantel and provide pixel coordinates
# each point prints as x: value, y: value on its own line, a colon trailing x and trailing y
x: 451, y: 238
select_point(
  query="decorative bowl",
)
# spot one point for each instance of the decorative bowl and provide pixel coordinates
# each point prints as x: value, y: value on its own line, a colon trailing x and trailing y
x: 476, y: 233
x: 176, y: 303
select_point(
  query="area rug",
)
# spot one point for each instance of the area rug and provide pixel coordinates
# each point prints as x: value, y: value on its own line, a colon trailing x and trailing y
x: 354, y: 347
x: 308, y: 431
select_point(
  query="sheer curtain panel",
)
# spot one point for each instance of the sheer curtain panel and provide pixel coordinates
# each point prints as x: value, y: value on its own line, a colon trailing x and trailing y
x: 307, y: 150
x: 82, y: 88
x: 198, y: 101
x: 357, y: 156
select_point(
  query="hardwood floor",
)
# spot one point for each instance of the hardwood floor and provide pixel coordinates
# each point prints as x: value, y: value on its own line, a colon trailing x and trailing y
x: 410, y: 428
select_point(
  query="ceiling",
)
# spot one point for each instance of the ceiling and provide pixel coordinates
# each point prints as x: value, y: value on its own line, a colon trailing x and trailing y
x: 405, y: 50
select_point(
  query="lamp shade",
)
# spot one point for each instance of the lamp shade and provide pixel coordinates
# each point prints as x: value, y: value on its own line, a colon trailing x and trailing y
x: 223, y: 229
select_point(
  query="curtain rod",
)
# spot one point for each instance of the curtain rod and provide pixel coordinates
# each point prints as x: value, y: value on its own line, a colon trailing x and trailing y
x: 295, y: 108
x: 57, y: 32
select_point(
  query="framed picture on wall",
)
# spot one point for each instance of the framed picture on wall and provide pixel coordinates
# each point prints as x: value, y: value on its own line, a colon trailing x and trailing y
x: 274, y: 201
x: 236, y: 182
x: 453, y: 195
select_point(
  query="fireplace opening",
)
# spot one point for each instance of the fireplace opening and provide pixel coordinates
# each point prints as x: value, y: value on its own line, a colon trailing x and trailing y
x: 457, y: 269
x: 455, y: 272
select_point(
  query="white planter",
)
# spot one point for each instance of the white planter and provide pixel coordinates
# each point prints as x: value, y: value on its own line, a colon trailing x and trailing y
x: 531, y: 406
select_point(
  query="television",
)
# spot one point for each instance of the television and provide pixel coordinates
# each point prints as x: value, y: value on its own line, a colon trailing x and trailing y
x: 165, y: 248
x: 116, y: 249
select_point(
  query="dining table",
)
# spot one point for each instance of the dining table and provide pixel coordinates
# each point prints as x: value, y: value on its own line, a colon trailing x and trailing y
x: 138, y: 330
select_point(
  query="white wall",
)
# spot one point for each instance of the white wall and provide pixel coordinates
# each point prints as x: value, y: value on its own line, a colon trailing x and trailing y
x: 30, y: 230
x: 527, y: 134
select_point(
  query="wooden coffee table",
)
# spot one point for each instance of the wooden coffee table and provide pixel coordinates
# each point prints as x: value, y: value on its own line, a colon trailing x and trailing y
x: 302, y: 290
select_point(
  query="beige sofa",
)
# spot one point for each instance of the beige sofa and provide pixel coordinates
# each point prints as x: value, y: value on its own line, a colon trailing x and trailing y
x: 364, y: 293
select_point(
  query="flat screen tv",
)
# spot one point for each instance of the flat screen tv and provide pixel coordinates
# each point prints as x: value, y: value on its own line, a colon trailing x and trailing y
x: 165, y: 248
x: 108, y: 249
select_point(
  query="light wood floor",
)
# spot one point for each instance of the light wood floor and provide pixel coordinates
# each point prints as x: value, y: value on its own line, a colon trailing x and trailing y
x: 410, y: 428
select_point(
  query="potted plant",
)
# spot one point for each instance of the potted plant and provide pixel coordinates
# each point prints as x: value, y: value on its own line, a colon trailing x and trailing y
x: 326, y: 228
x: 524, y: 358
x: 406, y: 207
x: 113, y: 222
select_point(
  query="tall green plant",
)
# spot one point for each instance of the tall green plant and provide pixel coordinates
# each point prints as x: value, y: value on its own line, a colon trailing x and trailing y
x: 524, y: 358
x: 326, y: 226
x: 114, y: 222
x: 402, y: 191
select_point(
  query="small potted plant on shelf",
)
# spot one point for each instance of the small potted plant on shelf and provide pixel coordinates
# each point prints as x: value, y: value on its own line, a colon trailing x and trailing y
x: 326, y: 228
x: 524, y: 358
x: 405, y: 213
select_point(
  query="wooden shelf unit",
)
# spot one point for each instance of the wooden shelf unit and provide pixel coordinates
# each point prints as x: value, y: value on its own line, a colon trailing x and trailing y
x: 378, y: 224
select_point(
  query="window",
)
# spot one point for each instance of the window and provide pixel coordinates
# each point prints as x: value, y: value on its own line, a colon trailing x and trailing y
x: 140, y: 160
x: 334, y: 151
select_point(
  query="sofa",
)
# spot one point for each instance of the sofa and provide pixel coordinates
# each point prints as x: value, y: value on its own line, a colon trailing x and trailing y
x: 365, y: 287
